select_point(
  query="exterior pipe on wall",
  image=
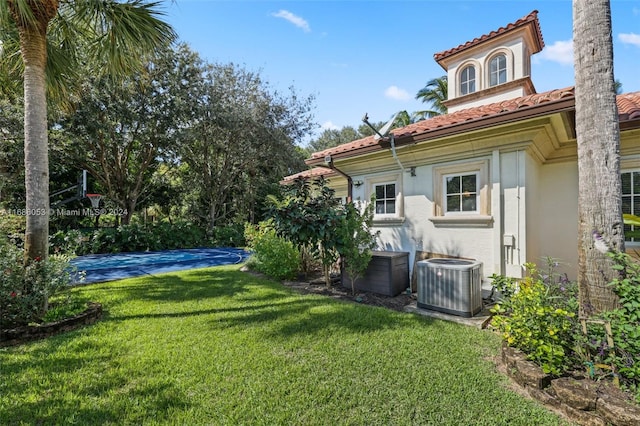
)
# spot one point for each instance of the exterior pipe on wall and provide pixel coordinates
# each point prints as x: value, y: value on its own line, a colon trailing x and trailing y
x: 329, y: 165
x: 393, y: 152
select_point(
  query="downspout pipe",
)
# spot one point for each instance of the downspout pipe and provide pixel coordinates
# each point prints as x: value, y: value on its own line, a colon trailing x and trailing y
x: 392, y: 140
x: 382, y: 134
x: 331, y: 166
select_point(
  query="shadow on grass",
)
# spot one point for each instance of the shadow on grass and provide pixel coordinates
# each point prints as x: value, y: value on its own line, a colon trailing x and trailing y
x: 50, y: 378
x: 253, y: 301
x: 85, y: 377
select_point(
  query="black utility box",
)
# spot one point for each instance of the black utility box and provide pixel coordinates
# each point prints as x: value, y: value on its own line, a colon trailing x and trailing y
x: 387, y: 273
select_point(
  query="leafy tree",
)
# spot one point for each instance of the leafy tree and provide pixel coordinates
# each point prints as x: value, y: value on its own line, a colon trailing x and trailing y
x: 311, y: 218
x: 333, y: 137
x: 600, y: 224
x: 40, y: 39
x: 364, y: 130
x: 434, y: 93
x: 240, y: 142
x: 358, y: 240
x: 11, y: 152
x: 121, y: 132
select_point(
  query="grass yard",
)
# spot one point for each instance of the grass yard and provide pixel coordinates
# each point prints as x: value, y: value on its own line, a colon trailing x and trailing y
x: 217, y: 346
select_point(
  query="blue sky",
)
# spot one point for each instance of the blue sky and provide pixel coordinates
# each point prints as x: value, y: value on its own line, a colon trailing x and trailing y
x: 358, y: 56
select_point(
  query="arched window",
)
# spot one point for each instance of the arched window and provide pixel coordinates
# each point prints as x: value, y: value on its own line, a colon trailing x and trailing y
x: 498, y: 70
x: 468, y: 80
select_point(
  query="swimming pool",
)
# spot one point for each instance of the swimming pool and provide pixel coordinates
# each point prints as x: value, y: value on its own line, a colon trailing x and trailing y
x: 109, y: 267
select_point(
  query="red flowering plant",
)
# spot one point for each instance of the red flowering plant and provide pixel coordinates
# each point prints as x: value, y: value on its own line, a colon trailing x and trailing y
x: 25, y: 291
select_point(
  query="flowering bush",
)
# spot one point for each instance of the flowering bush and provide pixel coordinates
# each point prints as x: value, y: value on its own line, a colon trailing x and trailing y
x: 539, y: 317
x: 616, y: 351
x: 25, y: 290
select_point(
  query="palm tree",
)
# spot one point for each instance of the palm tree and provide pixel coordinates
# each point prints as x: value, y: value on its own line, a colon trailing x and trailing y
x: 618, y: 87
x: 435, y: 93
x: 600, y: 223
x: 403, y: 118
x: 41, y: 38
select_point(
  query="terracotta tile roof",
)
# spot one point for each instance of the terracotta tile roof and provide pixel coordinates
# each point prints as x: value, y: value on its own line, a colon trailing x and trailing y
x: 531, y: 18
x: 308, y: 174
x: 628, y: 109
x: 445, y: 121
x: 629, y: 106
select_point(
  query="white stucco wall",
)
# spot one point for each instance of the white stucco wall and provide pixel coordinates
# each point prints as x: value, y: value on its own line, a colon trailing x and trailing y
x: 557, y: 228
x: 533, y: 206
x: 517, y: 64
x: 513, y: 196
x: 418, y: 233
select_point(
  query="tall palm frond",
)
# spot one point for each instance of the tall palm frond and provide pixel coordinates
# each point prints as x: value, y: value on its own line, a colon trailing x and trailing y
x: 40, y: 41
x: 435, y: 93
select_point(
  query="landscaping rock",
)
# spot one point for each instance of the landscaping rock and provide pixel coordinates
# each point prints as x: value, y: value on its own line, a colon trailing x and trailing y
x: 578, y: 394
x: 529, y: 374
x: 616, y: 410
x: 583, y: 418
x: 27, y: 333
x: 510, y: 356
x: 580, y: 399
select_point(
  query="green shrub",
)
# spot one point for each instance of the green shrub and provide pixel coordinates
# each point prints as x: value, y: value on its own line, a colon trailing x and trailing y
x: 12, y: 224
x: 25, y: 290
x: 272, y: 255
x: 229, y: 236
x: 622, y: 359
x: 539, y: 317
x: 129, y: 238
x: 67, y: 242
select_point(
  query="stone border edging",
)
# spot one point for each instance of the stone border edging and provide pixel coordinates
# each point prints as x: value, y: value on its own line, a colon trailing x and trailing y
x: 582, y: 400
x: 19, y: 335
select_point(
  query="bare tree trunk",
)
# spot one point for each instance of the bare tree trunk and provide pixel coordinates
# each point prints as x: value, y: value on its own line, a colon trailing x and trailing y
x: 36, y: 157
x: 598, y: 137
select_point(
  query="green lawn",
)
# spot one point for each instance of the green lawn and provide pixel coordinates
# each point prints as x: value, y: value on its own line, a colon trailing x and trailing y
x: 218, y: 346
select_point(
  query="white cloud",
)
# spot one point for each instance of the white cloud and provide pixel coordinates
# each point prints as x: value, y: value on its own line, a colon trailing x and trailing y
x: 630, y: 38
x: 560, y: 51
x: 328, y: 125
x: 396, y: 93
x: 294, y: 19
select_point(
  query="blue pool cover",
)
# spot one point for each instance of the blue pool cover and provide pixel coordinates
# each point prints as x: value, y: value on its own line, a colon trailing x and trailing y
x: 109, y: 267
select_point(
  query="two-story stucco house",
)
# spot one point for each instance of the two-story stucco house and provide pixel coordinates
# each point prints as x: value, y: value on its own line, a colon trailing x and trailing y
x: 496, y: 178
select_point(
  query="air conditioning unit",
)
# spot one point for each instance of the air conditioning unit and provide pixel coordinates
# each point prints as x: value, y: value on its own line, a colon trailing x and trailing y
x: 452, y: 286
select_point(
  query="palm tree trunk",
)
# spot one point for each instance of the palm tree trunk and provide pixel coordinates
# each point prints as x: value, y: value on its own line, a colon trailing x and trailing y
x: 598, y: 137
x: 36, y: 159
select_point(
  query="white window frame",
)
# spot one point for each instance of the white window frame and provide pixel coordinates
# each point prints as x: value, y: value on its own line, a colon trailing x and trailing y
x: 631, y: 242
x: 479, y: 218
x: 496, y: 59
x: 387, y: 218
x: 445, y: 194
x: 465, y: 82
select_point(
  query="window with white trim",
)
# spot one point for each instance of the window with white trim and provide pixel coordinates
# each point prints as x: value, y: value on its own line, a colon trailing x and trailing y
x: 385, y: 198
x: 461, y: 193
x: 468, y: 80
x: 498, y: 70
x: 631, y: 203
x: 387, y: 190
